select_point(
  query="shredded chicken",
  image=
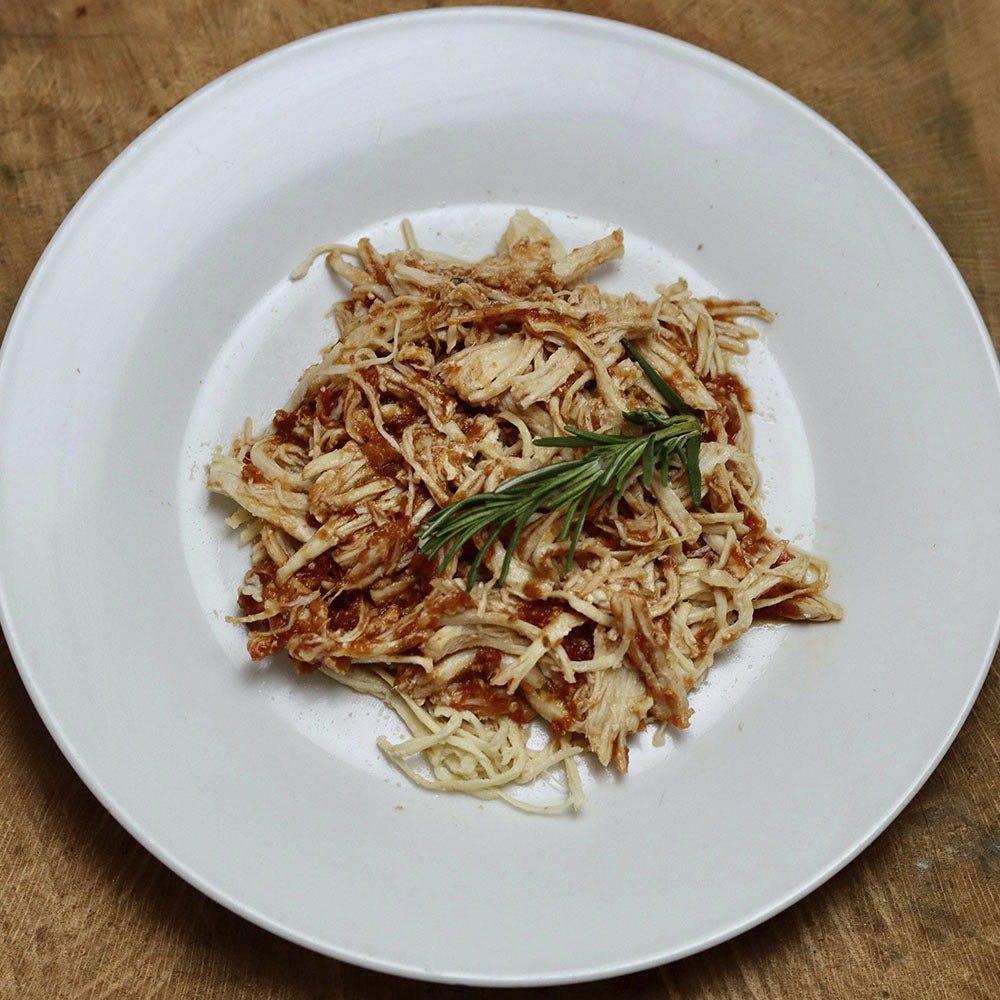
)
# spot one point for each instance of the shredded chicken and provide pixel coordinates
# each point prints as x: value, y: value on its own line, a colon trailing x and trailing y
x: 443, y: 375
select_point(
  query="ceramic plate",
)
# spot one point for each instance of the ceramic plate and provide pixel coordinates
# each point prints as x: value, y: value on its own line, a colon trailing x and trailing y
x: 161, y: 315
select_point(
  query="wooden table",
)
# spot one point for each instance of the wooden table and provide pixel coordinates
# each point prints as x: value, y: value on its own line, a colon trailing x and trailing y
x: 87, y: 912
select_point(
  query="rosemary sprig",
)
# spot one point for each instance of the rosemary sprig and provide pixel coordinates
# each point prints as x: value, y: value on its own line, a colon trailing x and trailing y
x: 573, y: 485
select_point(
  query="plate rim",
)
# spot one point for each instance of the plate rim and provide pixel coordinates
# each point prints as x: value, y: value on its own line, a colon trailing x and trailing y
x: 541, y: 18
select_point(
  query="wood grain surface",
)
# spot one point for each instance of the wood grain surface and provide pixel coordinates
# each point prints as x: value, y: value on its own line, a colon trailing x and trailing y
x: 86, y: 912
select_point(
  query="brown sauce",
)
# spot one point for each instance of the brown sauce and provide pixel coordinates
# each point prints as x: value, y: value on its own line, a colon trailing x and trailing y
x: 474, y: 694
x: 321, y: 573
x: 730, y: 385
x: 380, y: 454
x: 732, y: 394
x: 324, y: 404
x: 538, y: 613
x: 579, y: 644
x: 533, y: 592
x: 251, y: 474
x: 757, y: 526
x: 285, y: 424
x: 345, y: 611
x: 487, y: 660
x: 405, y: 413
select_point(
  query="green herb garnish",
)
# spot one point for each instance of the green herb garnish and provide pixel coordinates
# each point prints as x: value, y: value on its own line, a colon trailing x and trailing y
x: 572, y: 485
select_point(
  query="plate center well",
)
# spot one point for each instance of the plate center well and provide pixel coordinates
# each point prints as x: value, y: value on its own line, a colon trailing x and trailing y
x: 282, y: 333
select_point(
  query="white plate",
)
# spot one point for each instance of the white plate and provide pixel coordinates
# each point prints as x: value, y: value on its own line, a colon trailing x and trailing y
x: 161, y: 314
